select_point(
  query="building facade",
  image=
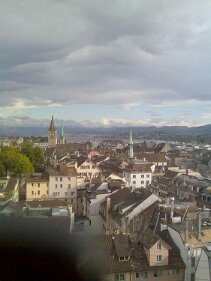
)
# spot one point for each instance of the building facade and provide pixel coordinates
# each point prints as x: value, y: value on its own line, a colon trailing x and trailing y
x: 138, y: 175
x: 37, y: 187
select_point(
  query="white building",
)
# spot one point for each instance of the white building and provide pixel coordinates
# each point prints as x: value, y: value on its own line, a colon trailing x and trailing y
x: 63, y: 185
x: 138, y: 175
x: 87, y: 168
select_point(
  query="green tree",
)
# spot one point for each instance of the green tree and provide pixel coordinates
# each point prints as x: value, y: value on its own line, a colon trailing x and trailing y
x: 15, y: 162
x: 35, y: 154
x: 2, y: 170
x: 38, y: 158
x: 27, y: 150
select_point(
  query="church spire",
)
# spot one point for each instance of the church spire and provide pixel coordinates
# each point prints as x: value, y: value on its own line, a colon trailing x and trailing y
x: 62, y: 138
x: 52, y: 125
x: 62, y: 130
x: 52, y: 134
x: 130, y: 146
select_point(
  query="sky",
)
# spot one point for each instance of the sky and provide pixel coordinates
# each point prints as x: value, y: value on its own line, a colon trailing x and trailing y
x: 105, y: 62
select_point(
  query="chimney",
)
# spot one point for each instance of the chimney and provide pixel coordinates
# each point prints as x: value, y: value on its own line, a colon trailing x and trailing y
x: 186, y: 230
x: 172, y: 208
x: 199, y: 226
x: 108, y: 206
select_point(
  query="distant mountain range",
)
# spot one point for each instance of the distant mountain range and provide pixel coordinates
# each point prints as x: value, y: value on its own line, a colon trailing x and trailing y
x: 171, y: 130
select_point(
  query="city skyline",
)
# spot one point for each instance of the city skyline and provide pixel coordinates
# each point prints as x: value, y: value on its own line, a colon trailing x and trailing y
x: 105, y: 63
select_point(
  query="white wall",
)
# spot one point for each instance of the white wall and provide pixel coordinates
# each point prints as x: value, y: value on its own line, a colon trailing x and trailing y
x: 96, y: 222
x: 138, y: 180
x: 186, y: 251
x: 202, y: 271
x: 89, y: 169
x: 63, y: 189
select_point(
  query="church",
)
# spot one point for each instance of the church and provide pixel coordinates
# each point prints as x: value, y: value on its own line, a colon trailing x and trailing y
x: 58, y: 145
x: 53, y: 138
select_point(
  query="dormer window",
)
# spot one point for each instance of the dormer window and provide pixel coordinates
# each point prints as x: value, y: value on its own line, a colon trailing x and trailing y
x: 124, y: 258
x: 159, y: 245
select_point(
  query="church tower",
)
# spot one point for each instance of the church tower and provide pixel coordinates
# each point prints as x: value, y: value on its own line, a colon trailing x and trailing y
x: 61, y: 137
x: 130, y: 146
x: 52, y: 134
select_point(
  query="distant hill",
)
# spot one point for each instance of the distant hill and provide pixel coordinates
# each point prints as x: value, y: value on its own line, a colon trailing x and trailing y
x: 174, y: 130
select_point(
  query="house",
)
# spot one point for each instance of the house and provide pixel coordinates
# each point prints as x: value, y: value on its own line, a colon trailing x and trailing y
x: 162, y: 148
x: 87, y: 168
x: 157, y: 159
x: 156, y: 250
x: 37, y: 186
x: 128, y: 212
x: 138, y: 175
x: 63, y: 184
x: 9, y: 190
x: 191, y: 236
x: 122, y: 260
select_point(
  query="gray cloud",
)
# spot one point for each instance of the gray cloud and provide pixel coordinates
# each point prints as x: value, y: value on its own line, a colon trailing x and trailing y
x: 104, y: 52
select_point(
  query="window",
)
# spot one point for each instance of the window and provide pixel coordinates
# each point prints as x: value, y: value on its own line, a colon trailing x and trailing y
x: 38, y: 184
x: 142, y: 182
x: 32, y: 184
x: 159, y: 258
x: 174, y: 271
x: 60, y: 178
x: 159, y: 245
x: 147, y: 182
x: 66, y: 193
x: 60, y: 185
x: 193, y: 261
x: 93, y: 167
x: 69, y: 178
x: 142, y: 176
x: 38, y: 192
x: 55, y: 185
x: 134, y: 176
x: 147, y: 176
x: 126, y: 258
x: 72, y: 193
x: 192, y: 277
x: 69, y: 186
x: 32, y: 192
x: 141, y: 275
x: 120, y: 277
x: 56, y: 178
x: 134, y: 182
x: 157, y: 273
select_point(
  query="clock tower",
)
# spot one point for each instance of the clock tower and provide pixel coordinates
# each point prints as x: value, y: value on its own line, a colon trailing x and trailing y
x: 52, y: 134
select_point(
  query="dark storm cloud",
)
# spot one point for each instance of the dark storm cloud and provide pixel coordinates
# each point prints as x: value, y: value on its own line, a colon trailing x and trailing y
x: 104, y: 52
